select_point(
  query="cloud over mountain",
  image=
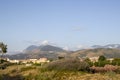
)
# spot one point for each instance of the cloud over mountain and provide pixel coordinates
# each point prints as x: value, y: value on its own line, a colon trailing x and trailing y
x: 45, y: 42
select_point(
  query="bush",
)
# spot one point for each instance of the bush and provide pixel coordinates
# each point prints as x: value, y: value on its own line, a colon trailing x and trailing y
x: 89, y: 62
x: 4, y: 65
x: 106, y: 68
x: 37, y: 64
x: 102, y: 58
x: 27, y: 68
x: 2, y: 61
x: 68, y: 64
x: 116, y: 61
x: 101, y: 63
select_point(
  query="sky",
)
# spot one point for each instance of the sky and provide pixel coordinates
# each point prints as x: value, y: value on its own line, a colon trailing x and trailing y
x: 65, y: 23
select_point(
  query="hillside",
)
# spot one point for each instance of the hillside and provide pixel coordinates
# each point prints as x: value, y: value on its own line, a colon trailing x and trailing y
x: 52, y: 52
x: 109, y: 53
x: 48, y: 51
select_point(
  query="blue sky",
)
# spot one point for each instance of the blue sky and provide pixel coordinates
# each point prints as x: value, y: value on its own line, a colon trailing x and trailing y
x: 66, y: 23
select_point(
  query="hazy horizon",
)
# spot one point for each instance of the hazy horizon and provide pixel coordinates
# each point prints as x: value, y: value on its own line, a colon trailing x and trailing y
x: 65, y: 23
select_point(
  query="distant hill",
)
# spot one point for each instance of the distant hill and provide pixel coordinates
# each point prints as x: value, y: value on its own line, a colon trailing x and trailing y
x: 108, y: 52
x: 48, y: 51
x: 114, y: 46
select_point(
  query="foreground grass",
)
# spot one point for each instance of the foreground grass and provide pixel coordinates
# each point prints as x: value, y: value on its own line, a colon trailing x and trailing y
x: 22, y: 72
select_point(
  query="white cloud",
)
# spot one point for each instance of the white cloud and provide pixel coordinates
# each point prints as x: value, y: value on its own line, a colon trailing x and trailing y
x: 66, y: 48
x: 80, y: 46
x: 14, y: 52
x: 40, y: 42
x: 83, y: 47
x: 45, y: 42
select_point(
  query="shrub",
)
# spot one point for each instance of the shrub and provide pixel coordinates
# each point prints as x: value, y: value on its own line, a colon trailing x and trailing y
x: 68, y: 64
x: 116, y: 61
x: 89, y: 62
x: 4, y: 65
x: 101, y: 63
x: 27, y: 68
x: 102, y: 58
x: 2, y: 61
x: 37, y: 64
x: 106, y: 68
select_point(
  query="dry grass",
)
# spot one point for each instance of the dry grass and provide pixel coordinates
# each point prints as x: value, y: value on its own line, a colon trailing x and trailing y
x: 38, y: 74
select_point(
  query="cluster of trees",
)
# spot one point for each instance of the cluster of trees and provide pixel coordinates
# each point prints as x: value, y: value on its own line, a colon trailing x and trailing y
x: 102, y: 61
x: 104, y: 65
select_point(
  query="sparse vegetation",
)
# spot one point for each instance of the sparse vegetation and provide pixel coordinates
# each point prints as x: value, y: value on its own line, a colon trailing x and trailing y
x: 14, y: 73
x: 64, y: 69
x: 27, y: 68
x: 68, y: 64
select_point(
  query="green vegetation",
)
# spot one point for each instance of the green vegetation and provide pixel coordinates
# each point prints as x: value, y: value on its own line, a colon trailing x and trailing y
x: 102, y: 61
x: 22, y: 72
x: 116, y: 61
x: 63, y: 69
x: 68, y: 65
x: 27, y: 68
x: 89, y: 62
x: 3, y: 48
x: 4, y: 64
x: 102, y: 58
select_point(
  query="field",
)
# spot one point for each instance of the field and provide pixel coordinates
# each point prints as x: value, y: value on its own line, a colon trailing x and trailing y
x: 22, y: 72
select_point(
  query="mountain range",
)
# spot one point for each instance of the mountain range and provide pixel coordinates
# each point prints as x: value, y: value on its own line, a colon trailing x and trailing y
x: 52, y: 52
x: 112, y: 46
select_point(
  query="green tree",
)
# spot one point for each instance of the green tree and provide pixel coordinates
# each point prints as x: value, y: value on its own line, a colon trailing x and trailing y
x: 89, y: 61
x: 3, y: 49
x: 102, y: 61
x: 102, y: 58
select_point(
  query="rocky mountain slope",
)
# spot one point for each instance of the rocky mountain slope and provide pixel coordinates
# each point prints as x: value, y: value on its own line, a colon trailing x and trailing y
x: 48, y: 51
x: 108, y: 52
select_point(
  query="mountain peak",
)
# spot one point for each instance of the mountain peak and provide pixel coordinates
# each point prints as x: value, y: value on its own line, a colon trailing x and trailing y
x: 50, y: 48
x: 44, y: 48
x: 31, y: 47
